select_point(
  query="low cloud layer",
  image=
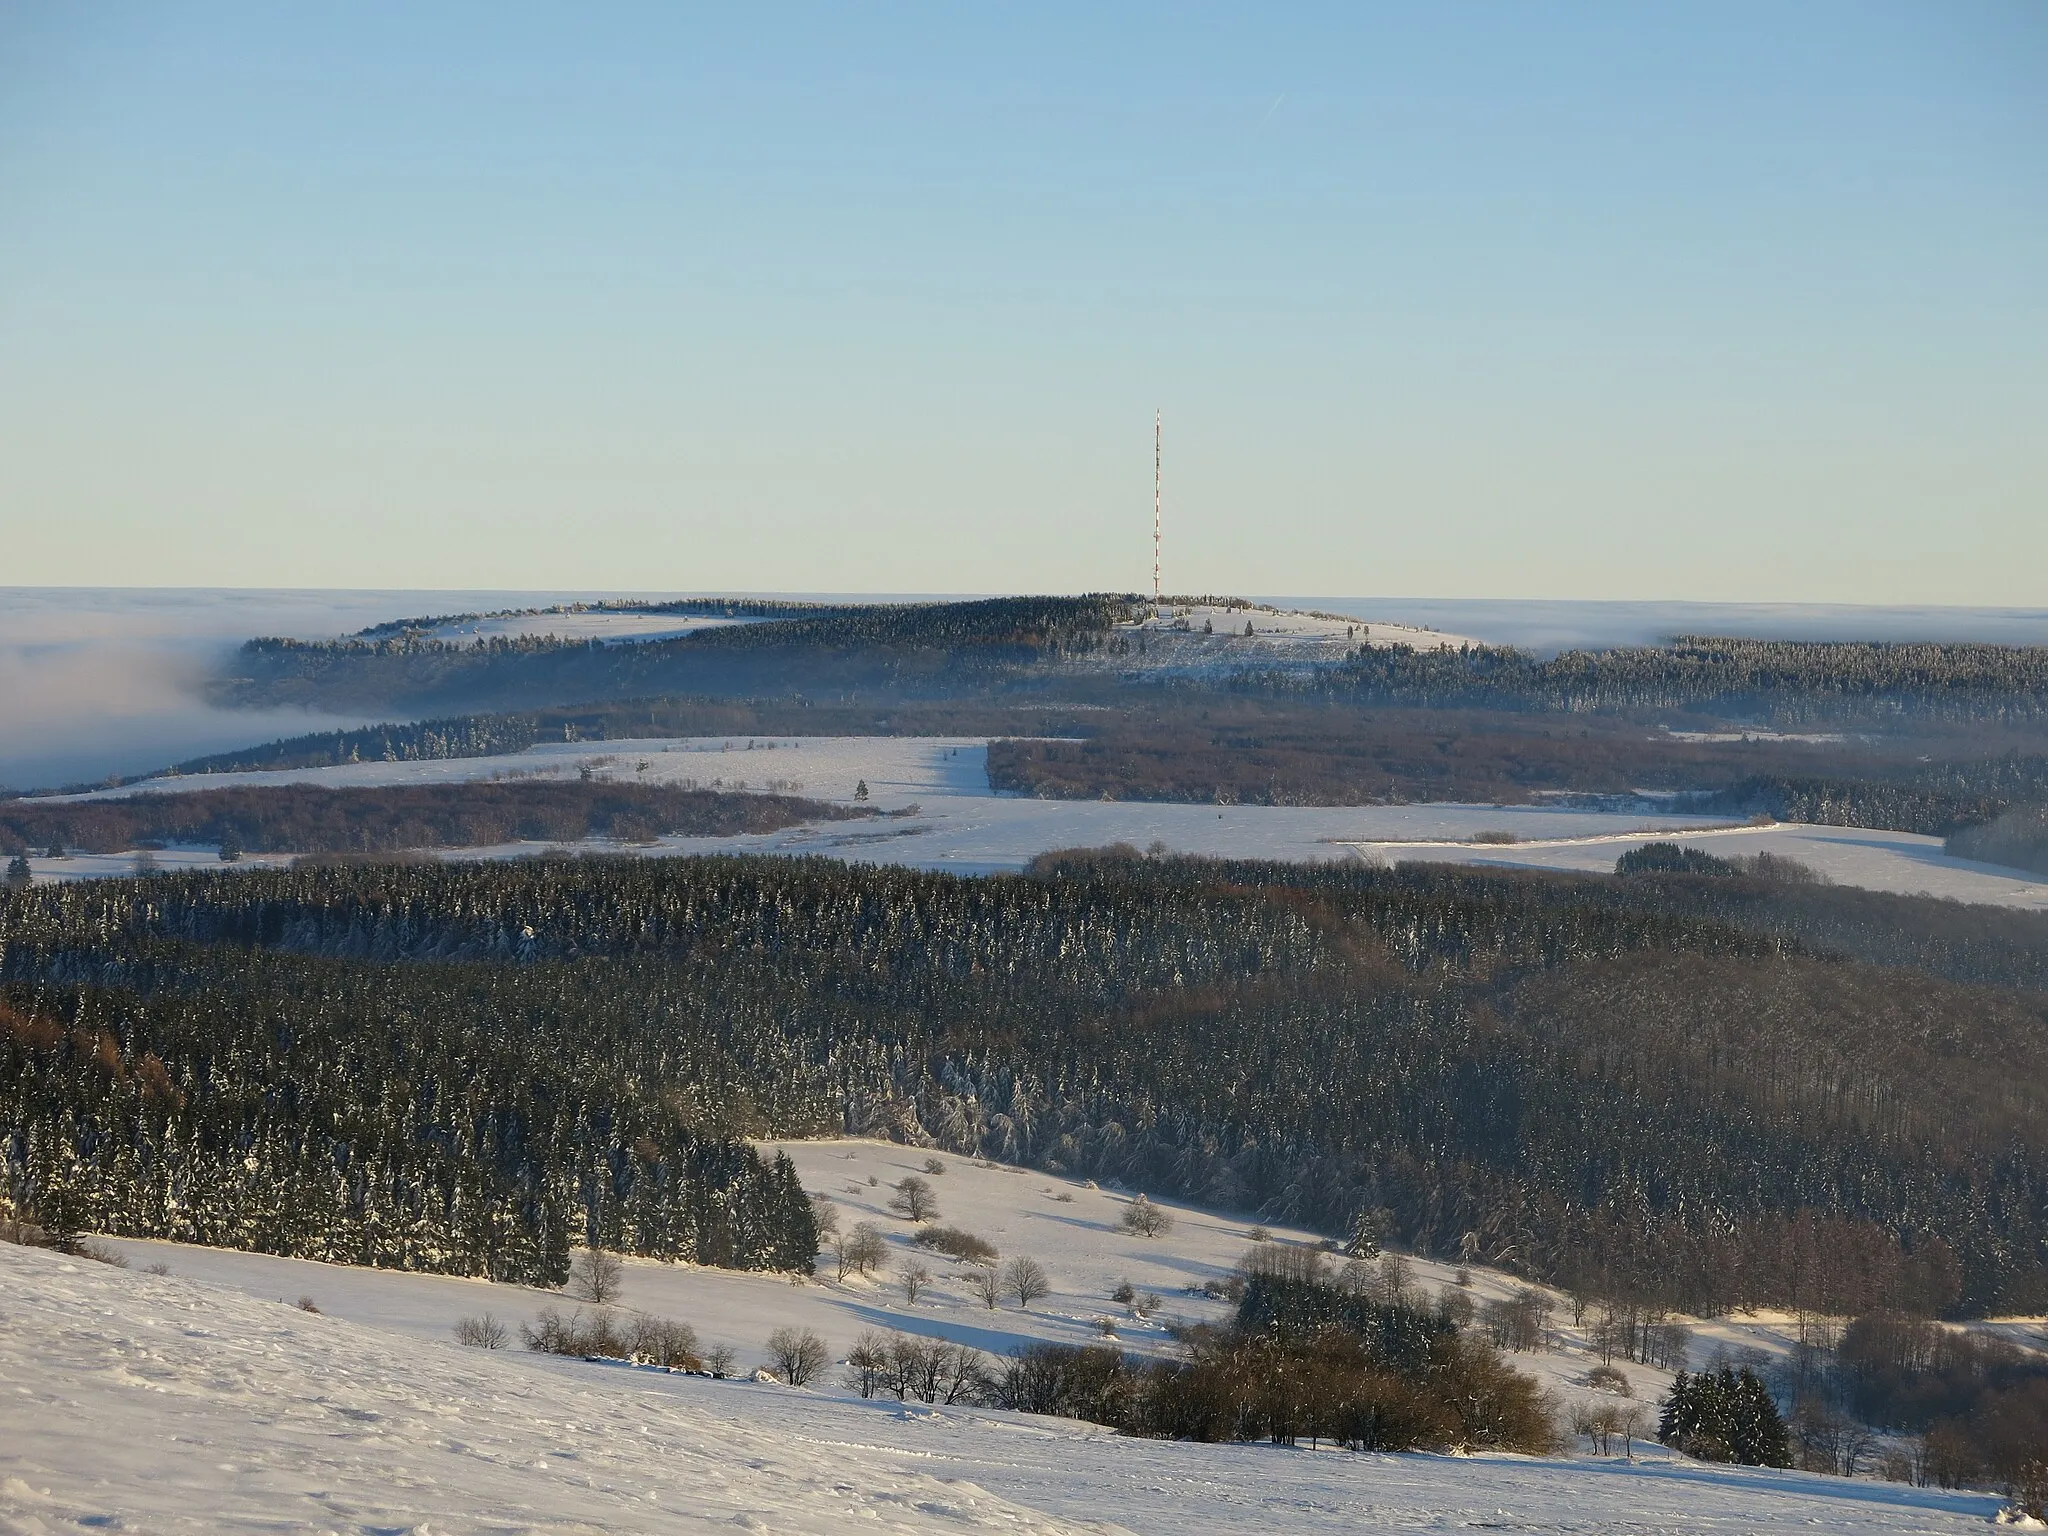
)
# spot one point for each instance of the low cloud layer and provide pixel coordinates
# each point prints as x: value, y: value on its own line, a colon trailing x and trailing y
x: 98, y: 681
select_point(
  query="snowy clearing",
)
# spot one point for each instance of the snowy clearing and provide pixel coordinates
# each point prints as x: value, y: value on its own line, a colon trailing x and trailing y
x: 245, y: 1413
x: 945, y: 817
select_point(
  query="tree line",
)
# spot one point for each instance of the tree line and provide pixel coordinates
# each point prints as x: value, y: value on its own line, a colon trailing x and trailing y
x: 310, y: 818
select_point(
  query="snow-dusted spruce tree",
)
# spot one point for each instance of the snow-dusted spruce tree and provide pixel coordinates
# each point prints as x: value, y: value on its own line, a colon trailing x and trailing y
x: 1725, y: 1415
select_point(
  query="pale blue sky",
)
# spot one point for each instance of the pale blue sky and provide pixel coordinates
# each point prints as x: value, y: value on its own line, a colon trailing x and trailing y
x: 1716, y: 301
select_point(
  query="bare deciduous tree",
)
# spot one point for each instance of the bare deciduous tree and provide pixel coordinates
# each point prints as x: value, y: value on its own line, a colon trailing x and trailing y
x: 985, y: 1286
x: 797, y: 1355
x: 867, y: 1363
x: 861, y: 1251
x: 915, y: 1199
x: 597, y: 1277
x: 914, y: 1279
x: 1025, y: 1279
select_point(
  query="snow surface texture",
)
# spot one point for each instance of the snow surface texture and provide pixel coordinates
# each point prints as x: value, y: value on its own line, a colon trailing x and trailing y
x: 204, y: 1400
x: 944, y: 816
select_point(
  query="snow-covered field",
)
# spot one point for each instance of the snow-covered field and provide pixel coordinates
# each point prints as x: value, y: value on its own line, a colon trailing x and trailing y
x: 944, y: 816
x: 584, y: 624
x: 204, y: 1400
x: 1199, y: 638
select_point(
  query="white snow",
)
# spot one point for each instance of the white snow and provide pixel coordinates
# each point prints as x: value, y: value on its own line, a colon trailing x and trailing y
x: 944, y: 816
x: 1211, y: 640
x: 205, y: 1401
x: 585, y: 624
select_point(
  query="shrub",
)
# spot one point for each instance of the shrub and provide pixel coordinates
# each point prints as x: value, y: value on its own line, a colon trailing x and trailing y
x: 1145, y: 1219
x: 1608, y: 1378
x: 483, y: 1332
x: 306, y: 1304
x: 933, y: 1165
x: 957, y: 1243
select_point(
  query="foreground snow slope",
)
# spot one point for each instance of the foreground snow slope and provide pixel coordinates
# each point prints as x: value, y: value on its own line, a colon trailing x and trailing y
x: 944, y: 816
x: 143, y: 1403
x: 136, y: 1402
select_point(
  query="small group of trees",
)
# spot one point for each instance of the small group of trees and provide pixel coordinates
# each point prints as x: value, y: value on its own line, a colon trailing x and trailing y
x: 927, y: 1370
x: 863, y: 1251
x: 1725, y: 1415
x: 599, y: 1335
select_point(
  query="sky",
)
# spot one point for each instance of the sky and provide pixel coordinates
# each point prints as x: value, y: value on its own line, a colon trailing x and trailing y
x: 1720, y: 302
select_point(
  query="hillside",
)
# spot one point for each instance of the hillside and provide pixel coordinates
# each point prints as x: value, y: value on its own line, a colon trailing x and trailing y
x: 1495, y: 1060
x: 245, y: 1410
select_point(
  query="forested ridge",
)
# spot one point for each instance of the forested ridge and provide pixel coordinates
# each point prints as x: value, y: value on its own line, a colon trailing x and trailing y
x: 1781, y: 682
x: 314, y: 818
x: 1671, y: 1089
x: 929, y: 649
x: 939, y: 650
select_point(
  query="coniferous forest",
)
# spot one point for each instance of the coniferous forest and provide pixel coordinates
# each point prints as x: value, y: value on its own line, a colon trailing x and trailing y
x: 1699, y: 1090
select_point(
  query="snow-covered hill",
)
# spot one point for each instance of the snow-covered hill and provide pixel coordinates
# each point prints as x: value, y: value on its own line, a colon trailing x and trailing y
x: 205, y: 1400
x: 162, y: 1404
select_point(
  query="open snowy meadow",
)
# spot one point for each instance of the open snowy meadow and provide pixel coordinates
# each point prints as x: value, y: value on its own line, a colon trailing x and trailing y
x: 943, y: 815
x: 240, y: 1411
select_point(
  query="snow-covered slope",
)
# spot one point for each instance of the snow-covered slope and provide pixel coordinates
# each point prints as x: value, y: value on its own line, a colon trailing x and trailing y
x: 1213, y: 640
x: 137, y: 1402
x: 203, y: 1400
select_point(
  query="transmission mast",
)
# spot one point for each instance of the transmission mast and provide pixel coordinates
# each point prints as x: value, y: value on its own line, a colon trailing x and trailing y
x: 1155, y: 509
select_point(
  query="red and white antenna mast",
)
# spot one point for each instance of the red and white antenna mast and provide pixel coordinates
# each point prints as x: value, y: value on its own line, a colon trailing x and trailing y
x: 1155, y: 509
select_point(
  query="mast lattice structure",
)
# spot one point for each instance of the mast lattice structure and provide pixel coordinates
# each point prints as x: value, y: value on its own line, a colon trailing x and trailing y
x: 1156, y: 595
